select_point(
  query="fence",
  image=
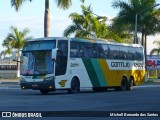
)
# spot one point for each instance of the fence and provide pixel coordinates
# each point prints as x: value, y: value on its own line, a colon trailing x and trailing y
x: 8, y: 71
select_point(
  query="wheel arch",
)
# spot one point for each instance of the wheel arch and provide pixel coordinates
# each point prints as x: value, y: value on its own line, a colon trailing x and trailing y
x: 77, y: 78
x: 124, y: 77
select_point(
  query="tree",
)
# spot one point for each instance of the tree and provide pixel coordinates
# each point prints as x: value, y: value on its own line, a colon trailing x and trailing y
x: 15, y: 39
x: 8, y: 51
x: 87, y: 24
x: 156, y: 50
x: 2, y: 53
x: 147, y: 21
x: 63, y: 4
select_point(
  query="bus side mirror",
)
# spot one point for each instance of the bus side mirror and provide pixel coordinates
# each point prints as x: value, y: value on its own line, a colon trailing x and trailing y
x: 54, y: 53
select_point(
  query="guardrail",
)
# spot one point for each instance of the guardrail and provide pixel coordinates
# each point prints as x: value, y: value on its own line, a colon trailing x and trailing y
x: 8, y: 67
x: 8, y: 71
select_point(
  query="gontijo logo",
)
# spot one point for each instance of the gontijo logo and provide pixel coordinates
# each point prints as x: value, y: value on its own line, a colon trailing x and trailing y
x: 120, y: 64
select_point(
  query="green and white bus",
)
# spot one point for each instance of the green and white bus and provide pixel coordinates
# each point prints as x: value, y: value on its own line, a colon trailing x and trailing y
x: 49, y: 64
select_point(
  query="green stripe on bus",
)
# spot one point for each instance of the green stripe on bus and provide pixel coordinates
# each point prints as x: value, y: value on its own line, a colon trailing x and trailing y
x: 99, y: 72
x: 91, y: 72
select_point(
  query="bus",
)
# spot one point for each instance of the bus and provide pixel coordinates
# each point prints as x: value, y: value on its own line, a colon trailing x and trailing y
x: 59, y: 63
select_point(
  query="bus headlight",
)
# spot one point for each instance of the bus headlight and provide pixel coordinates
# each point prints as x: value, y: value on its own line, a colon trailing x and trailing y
x: 22, y: 80
x: 49, y: 79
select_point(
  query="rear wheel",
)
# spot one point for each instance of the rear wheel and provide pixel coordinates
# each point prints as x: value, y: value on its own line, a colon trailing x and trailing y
x: 75, y: 86
x: 130, y: 84
x: 124, y: 84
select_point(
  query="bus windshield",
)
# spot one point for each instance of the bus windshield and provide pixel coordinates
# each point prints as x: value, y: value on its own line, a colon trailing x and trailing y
x: 36, y: 63
x: 36, y: 58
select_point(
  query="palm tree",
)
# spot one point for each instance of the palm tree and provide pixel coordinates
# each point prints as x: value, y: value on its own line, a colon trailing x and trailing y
x: 16, y: 40
x: 8, y: 50
x: 63, y: 4
x: 87, y: 24
x: 147, y: 21
x: 2, y: 53
x: 156, y: 50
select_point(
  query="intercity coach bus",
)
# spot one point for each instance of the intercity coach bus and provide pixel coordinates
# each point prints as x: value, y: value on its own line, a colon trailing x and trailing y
x: 72, y: 64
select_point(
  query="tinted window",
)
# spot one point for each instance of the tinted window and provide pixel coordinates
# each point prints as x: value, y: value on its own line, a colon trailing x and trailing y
x: 139, y: 54
x: 90, y: 50
x: 131, y: 53
x: 113, y: 52
x: 62, y: 58
x: 102, y: 51
x: 74, y: 49
x: 39, y: 45
x: 77, y: 49
x: 123, y: 53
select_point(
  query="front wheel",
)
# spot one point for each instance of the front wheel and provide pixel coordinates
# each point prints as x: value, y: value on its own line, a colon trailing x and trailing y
x: 75, y: 86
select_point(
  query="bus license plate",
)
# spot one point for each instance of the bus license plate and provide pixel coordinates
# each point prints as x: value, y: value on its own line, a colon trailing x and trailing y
x: 35, y: 85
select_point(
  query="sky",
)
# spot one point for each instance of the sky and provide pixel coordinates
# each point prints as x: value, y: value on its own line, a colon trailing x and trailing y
x: 31, y: 15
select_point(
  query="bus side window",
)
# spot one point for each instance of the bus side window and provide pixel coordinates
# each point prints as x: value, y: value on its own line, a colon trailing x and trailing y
x: 122, y: 53
x: 131, y: 53
x: 139, y: 54
x: 62, y: 48
x: 90, y: 50
x: 74, y: 50
x: 102, y: 51
x: 62, y: 58
x: 113, y: 52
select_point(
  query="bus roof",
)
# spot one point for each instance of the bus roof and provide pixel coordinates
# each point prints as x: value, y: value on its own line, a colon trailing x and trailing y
x: 91, y: 40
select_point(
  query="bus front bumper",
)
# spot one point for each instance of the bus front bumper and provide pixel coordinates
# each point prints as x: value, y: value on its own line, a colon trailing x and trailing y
x: 46, y: 85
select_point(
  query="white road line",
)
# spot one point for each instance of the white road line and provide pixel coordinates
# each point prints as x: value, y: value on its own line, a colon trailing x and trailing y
x: 147, y: 86
x: 6, y: 87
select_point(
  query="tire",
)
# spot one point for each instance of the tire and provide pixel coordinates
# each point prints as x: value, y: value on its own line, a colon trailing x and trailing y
x: 130, y: 84
x: 44, y: 92
x: 124, y: 84
x: 75, y: 86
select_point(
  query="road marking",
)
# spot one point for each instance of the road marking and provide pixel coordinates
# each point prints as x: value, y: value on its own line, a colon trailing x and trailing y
x: 147, y: 86
x: 7, y: 87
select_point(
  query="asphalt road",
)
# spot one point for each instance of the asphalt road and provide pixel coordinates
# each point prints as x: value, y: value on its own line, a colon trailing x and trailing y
x: 142, y: 98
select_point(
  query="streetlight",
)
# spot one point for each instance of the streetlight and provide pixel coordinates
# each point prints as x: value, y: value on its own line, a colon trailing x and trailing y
x: 135, y: 34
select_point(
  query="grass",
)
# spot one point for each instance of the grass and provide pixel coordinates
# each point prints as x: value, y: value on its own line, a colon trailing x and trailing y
x: 149, y: 81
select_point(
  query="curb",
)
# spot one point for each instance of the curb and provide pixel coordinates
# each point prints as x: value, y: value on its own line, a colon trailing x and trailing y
x: 5, y: 80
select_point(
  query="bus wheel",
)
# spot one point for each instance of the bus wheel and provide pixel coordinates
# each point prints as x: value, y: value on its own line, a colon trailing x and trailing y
x: 75, y: 86
x: 124, y: 84
x: 44, y: 92
x: 130, y: 84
